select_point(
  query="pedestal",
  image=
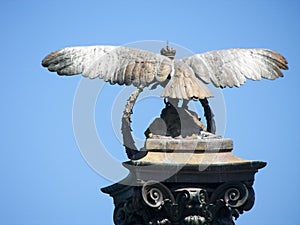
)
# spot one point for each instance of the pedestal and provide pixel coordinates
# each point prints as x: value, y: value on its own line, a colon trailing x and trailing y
x: 181, y: 181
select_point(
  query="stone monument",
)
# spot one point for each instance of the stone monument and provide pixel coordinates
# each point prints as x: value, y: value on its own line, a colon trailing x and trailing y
x: 185, y: 173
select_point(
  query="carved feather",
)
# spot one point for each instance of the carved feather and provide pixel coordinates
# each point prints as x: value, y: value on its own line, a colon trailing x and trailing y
x: 114, y: 64
x: 184, y: 85
x: 228, y: 68
x: 129, y: 66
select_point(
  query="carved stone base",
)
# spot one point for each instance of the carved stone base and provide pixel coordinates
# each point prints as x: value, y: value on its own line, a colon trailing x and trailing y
x: 157, y: 203
x: 210, y: 186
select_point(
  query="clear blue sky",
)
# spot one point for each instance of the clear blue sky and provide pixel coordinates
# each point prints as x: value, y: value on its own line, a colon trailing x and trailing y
x: 44, y: 178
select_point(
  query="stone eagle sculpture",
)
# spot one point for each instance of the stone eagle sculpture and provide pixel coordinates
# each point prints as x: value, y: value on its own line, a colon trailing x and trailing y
x: 182, y: 79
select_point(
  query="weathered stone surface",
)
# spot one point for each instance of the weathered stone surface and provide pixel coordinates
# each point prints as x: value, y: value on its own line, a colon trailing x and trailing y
x: 192, y: 144
x: 212, y: 160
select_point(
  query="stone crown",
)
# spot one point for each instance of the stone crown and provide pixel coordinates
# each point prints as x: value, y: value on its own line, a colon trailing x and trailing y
x: 168, y: 52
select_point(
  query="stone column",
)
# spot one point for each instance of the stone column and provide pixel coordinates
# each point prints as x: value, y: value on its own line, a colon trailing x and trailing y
x: 185, y: 181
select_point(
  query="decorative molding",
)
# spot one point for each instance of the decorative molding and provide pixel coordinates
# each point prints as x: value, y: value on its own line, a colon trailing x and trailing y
x: 155, y: 203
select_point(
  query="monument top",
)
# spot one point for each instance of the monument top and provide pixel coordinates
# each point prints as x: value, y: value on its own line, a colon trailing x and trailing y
x: 182, y: 79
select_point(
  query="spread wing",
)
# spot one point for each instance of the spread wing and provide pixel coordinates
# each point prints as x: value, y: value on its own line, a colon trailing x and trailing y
x: 115, y: 64
x: 183, y: 84
x: 228, y: 68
